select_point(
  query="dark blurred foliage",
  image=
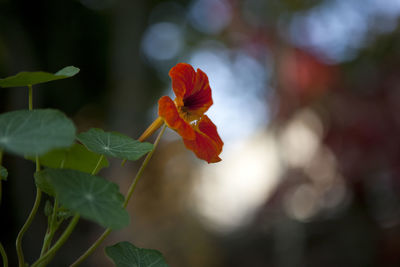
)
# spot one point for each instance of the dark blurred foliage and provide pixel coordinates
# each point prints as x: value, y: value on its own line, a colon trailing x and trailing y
x: 332, y: 94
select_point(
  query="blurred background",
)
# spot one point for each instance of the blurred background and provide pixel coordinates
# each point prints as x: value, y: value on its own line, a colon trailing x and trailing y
x: 306, y: 98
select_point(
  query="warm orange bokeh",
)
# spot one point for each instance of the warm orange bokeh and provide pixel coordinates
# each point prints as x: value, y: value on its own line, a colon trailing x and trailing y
x: 185, y: 114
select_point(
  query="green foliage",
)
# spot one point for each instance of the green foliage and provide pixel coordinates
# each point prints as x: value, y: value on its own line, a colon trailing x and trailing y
x: 47, y: 136
x: 32, y: 78
x: 124, y: 254
x: 3, y: 173
x: 93, y: 197
x: 76, y: 157
x: 114, y: 144
x: 35, y: 132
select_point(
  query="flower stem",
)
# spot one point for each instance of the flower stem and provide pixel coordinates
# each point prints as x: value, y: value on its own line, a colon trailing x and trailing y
x: 144, y: 164
x: 132, y: 187
x: 30, y: 97
x: 50, y: 253
x: 157, y: 123
x: 4, y: 256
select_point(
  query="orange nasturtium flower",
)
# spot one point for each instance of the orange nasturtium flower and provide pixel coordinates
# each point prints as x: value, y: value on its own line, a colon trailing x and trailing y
x: 185, y: 114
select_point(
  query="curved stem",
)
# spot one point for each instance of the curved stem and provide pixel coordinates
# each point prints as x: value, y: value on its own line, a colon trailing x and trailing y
x: 47, y: 253
x: 132, y: 187
x: 18, y: 242
x: 4, y: 256
x: 2, y: 251
x: 97, y: 165
x: 25, y: 227
x: 92, y: 248
x: 52, y: 228
x: 37, y: 164
x: 59, y: 243
x: 1, y: 158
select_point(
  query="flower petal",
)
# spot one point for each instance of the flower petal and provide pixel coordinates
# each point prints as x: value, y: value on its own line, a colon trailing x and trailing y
x: 192, y: 89
x: 183, y: 77
x: 199, y: 99
x: 168, y: 111
x: 207, y: 145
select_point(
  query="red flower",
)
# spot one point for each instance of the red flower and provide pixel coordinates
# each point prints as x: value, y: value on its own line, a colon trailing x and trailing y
x: 185, y: 114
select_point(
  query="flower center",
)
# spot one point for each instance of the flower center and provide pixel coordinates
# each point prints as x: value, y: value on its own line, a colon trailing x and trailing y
x: 187, y: 115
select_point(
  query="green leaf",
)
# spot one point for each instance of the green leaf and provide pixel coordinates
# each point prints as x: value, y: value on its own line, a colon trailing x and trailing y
x: 77, y: 157
x: 93, y: 197
x: 124, y: 254
x: 32, y: 78
x: 114, y: 144
x: 3, y: 173
x: 35, y: 132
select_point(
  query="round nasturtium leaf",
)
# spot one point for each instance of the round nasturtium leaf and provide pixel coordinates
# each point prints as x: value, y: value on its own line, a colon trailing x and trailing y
x: 93, y: 197
x: 77, y: 157
x: 3, y: 173
x: 32, y: 78
x: 35, y: 132
x: 114, y: 144
x: 124, y: 254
